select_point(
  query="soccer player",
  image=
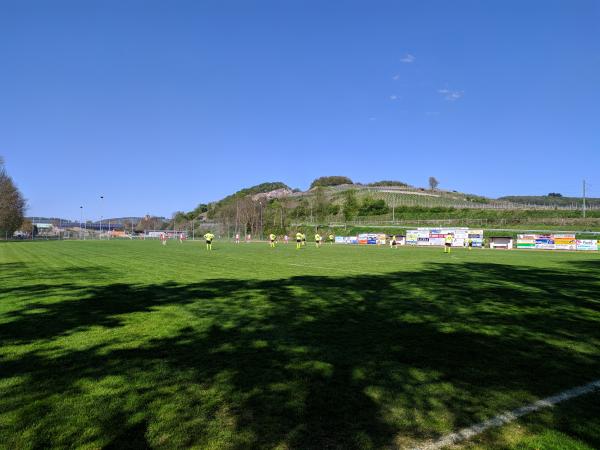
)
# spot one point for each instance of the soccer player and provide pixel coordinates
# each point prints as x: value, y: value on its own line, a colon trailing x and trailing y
x: 470, y: 243
x: 163, y: 238
x: 393, y: 242
x: 248, y: 238
x: 448, y: 243
x: 209, y: 238
x: 286, y: 239
x: 331, y: 238
x: 237, y: 238
x: 318, y: 240
x: 272, y: 238
x: 298, y: 240
x: 303, y: 239
x: 181, y: 238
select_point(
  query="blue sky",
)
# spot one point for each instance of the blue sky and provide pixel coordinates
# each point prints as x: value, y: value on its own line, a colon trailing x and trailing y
x: 160, y: 106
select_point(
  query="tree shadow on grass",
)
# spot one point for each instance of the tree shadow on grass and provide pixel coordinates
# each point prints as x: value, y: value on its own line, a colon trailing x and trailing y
x: 304, y: 362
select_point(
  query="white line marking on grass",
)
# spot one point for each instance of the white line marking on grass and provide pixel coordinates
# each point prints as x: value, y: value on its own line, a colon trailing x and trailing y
x: 509, y: 416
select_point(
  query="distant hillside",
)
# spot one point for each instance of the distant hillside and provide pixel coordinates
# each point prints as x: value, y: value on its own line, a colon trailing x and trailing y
x: 546, y: 200
x: 274, y: 207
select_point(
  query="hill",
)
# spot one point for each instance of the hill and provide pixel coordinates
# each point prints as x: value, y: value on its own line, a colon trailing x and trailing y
x: 274, y: 207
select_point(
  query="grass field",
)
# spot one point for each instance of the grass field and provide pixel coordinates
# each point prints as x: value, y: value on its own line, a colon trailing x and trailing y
x: 127, y: 344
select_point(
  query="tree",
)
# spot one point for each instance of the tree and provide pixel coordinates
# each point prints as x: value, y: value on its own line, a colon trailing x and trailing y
x: 28, y: 227
x: 554, y: 194
x: 330, y: 181
x: 388, y: 183
x: 12, y: 204
x: 433, y: 183
x: 350, y: 207
x: 319, y: 204
x: 201, y: 208
x: 150, y: 223
x: 301, y: 210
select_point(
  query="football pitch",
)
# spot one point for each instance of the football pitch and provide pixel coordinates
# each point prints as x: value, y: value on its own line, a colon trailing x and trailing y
x: 130, y: 344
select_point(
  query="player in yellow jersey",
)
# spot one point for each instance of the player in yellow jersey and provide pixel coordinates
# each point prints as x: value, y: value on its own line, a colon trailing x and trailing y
x: 298, y: 240
x: 318, y: 239
x: 448, y: 243
x: 303, y: 239
x: 209, y: 238
x: 470, y: 243
x: 331, y: 238
x: 272, y: 238
x: 393, y: 242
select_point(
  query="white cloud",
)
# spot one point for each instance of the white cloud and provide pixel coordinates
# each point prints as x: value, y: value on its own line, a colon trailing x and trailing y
x: 408, y: 58
x: 396, y: 77
x: 393, y: 97
x: 451, y: 95
x: 372, y: 119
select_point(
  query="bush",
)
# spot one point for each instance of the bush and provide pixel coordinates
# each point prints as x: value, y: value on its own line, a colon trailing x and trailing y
x: 371, y: 207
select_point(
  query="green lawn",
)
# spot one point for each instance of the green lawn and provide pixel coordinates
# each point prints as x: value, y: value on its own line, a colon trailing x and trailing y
x: 127, y: 344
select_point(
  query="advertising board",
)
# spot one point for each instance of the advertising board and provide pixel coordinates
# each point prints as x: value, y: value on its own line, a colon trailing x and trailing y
x: 587, y: 244
x: 565, y: 241
x: 544, y: 242
x: 526, y: 240
x: 423, y: 241
x: 411, y: 237
x: 346, y: 240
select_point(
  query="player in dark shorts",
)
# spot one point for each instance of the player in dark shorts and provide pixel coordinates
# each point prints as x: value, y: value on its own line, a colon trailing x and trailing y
x: 298, y: 240
x: 209, y: 238
x: 448, y: 243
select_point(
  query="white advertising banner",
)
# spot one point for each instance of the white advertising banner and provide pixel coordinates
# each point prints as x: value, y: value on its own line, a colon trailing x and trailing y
x: 412, y: 236
x: 587, y: 244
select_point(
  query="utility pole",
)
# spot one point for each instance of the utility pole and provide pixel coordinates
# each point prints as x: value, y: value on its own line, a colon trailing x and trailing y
x: 583, y: 199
